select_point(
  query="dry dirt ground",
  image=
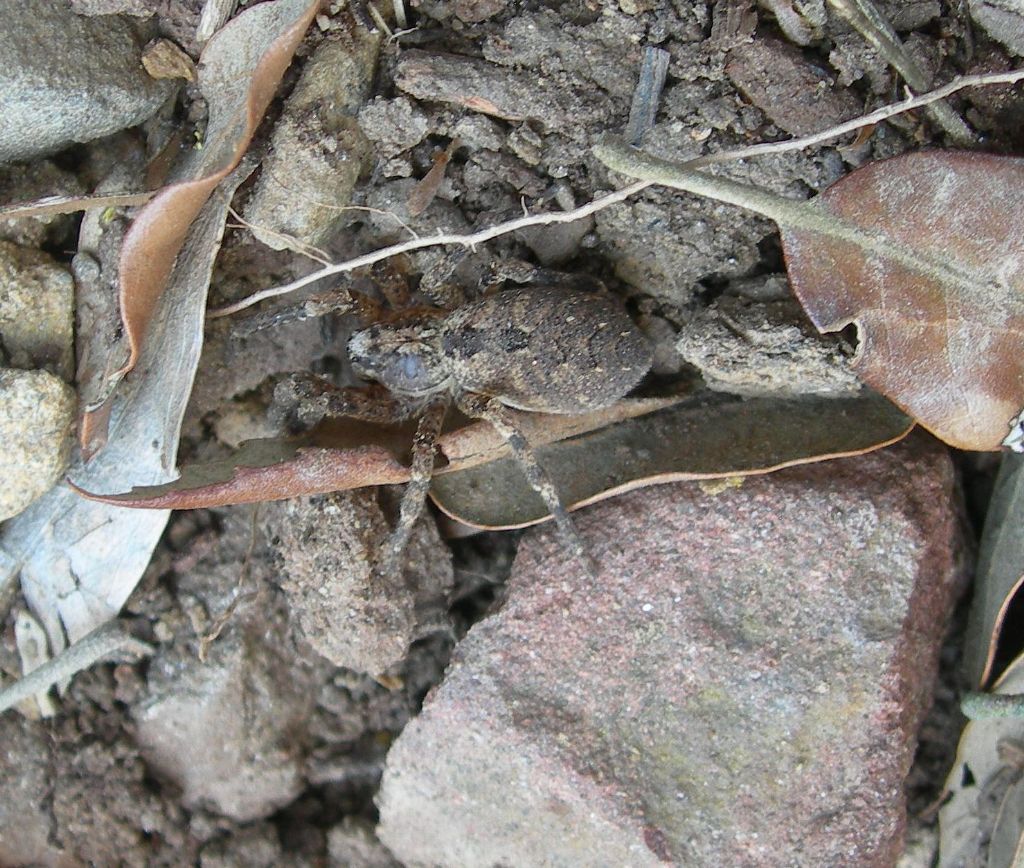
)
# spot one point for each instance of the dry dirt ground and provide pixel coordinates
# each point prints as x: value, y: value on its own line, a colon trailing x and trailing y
x: 271, y: 752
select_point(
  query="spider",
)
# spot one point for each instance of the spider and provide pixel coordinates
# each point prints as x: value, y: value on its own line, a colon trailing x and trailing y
x: 537, y: 348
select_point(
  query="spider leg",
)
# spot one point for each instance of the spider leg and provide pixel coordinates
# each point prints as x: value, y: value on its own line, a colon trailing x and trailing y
x: 337, y: 301
x: 423, y: 448
x: 437, y: 281
x: 494, y: 412
x: 302, y: 399
x: 519, y: 271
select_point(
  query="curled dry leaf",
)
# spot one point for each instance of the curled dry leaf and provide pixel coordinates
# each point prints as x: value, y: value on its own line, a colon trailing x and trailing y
x: 238, y: 74
x: 78, y: 561
x: 981, y: 822
x: 700, y: 439
x: 924, y: 254
x: 999, y: 575
x: 346, y: 454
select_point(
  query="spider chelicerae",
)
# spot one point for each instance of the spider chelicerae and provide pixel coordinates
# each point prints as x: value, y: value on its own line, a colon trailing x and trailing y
x: 541, y: 348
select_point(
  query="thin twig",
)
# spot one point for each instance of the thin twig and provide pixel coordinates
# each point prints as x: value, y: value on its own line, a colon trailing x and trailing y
x: 470, y: 240
x: 99, y: 643
x: 475, y: 238
x: 291, y: 242
x: 875, y: 117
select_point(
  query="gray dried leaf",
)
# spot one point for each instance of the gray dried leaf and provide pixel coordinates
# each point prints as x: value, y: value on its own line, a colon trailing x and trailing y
x: 79, y: 560
x: 1000, y: 569
x: 980, y: 823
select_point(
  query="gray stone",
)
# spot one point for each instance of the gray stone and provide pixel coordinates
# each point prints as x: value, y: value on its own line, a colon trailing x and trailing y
x: 703, y: 238
x: 740, y: 685
x: 36, y: 415
x: 393, y: 125
x: 787, y: 87
x: 557, y: 243
x: 224, y: 732
x: 1003, y: 20
x: 348, y: 615
x: 67, y: 78
x: 318, y: 149
x: 256, y: 846
x: 767, y: 348
x: 36, y: 311
x: 352, y: 844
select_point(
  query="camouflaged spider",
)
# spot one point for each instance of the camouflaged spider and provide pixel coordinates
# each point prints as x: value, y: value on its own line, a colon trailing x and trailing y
x: 540, y: 348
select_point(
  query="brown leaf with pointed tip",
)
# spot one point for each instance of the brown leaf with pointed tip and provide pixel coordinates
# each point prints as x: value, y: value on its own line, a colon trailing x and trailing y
x: 703, y: 438
x: 345, y: 454
x: 265, y: 470
x: 239, y: 71
x: 937, y: 290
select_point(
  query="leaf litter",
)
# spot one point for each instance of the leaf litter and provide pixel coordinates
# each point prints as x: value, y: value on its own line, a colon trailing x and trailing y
x: 937, y: 299
x: 239, y: 71
x: 278, y: 469
x: 78, y: 560
x: 345, y: 454
x: 145, y: 307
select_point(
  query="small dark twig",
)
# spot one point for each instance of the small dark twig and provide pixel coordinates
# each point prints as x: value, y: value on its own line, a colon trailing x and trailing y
x: 647, y: 95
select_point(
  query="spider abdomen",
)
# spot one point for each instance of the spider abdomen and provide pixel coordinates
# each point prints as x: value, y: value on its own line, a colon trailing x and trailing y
x: 546, y: 349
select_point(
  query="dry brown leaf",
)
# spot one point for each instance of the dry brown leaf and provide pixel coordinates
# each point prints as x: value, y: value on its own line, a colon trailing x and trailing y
x: 425, y: 191
x: 263, y: 470
x: 704, y: 438
x: 343, y: 455
x: 924, y: 254
x: 238, y: 74
x: 941, y: 335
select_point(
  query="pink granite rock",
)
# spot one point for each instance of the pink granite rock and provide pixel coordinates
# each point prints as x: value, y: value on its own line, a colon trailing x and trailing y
x: 741, y: 685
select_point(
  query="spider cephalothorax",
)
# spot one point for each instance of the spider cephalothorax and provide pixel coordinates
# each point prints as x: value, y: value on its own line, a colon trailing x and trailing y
x: 408, y: 359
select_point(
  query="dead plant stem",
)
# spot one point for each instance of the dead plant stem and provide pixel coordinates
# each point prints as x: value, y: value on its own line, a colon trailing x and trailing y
x: 101, y: 642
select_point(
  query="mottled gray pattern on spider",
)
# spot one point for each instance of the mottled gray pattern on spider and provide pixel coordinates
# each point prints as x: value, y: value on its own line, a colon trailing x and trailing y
x: 541, y: 348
